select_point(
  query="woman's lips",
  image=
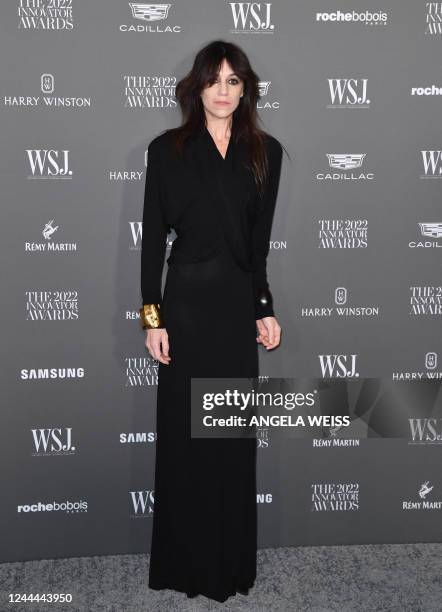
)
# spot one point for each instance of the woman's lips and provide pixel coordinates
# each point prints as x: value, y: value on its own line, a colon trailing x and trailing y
x: 222, y: 103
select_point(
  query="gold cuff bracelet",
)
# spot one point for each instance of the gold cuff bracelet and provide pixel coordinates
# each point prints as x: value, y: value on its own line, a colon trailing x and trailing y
x: 150, y: 317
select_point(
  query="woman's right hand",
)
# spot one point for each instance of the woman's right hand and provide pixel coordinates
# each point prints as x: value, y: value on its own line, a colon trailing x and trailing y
x: 157, y: 343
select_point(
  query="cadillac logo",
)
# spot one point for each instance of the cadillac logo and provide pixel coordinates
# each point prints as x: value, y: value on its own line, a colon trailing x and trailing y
x: 431, y: 229
x: 149, y: 12
x: 345, y: 161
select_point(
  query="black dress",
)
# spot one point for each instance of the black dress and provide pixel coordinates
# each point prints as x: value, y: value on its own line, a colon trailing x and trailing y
x: 204, y: 531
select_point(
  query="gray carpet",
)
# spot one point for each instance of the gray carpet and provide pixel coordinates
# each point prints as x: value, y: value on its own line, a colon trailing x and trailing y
x: 378, y: 577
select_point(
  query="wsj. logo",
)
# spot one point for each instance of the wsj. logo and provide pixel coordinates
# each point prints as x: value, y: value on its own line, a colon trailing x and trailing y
x: 425, y: 430
x: 136, y: 235
x: 251, y: 17
x: 55, y: 441
x: 432, y: 164
x: 49, y: 163
x: 348, y: 93
x: 338, y: 366
x: 136, y: 232
x: 142, y: 503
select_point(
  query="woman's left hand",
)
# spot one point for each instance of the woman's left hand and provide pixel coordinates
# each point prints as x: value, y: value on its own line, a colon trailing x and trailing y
x: 269, y: 332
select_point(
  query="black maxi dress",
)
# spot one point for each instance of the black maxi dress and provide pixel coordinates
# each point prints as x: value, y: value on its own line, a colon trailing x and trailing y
x: 204, y: 531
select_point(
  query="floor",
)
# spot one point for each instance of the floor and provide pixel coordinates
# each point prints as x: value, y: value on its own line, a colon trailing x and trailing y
x: 375, y: 577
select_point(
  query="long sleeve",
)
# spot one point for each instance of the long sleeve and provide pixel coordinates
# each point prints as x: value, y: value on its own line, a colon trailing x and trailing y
x: 261, y: 235
x: 153, y: 244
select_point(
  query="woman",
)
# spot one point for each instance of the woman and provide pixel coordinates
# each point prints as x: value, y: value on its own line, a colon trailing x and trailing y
x: 214, y: 180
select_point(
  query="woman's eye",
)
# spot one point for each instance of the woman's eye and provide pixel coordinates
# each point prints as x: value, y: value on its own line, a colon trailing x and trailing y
x: 231, y: 81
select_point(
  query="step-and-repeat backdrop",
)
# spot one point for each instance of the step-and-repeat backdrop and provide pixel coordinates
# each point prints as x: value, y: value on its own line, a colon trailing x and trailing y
x: 354, y: 95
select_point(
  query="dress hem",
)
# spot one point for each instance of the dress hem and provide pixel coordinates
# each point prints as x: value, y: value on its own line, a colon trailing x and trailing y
x: 243, y: 590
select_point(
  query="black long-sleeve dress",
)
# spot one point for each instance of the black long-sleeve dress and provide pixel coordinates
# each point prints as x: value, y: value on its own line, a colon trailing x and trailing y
x: 204, y: 537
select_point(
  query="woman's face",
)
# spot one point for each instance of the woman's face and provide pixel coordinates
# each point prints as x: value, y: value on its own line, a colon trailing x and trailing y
x: 221, y: 97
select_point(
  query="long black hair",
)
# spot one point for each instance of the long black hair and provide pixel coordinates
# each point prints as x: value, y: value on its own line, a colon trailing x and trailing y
x: 204, y: 72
